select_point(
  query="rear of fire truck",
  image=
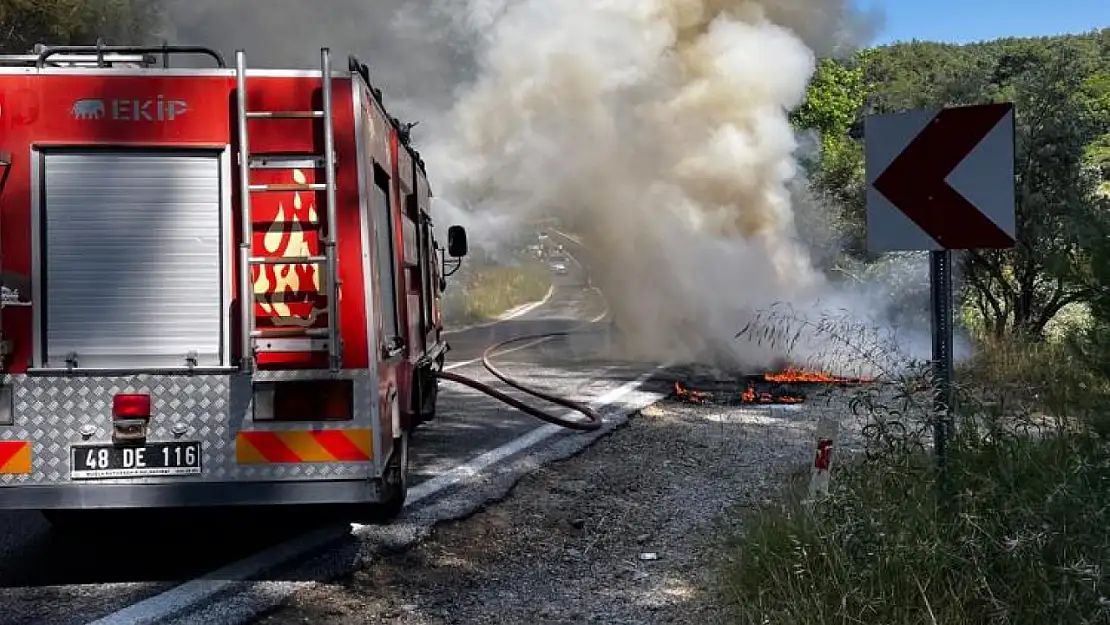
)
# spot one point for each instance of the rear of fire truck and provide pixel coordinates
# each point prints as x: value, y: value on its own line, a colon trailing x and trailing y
x: 204, y: 296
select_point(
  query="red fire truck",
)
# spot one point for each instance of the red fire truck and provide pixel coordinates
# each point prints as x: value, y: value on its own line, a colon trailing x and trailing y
x: 220, y: 285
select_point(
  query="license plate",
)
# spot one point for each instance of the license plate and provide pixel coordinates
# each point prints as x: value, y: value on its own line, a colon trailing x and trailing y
x: 90, y: 462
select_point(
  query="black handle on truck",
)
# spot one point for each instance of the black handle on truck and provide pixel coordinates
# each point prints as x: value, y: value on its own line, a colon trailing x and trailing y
x: 100, y: 51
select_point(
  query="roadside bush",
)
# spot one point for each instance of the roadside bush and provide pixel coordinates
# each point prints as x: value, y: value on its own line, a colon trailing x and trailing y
x: 1015, y: 532
x: 1039, y: 381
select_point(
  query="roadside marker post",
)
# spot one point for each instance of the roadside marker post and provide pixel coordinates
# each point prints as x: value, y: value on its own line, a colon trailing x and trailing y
x: 937, y: 181
x: 821, y: 470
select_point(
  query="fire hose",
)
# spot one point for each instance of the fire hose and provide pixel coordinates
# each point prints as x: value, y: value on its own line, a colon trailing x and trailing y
x: 593, y: 417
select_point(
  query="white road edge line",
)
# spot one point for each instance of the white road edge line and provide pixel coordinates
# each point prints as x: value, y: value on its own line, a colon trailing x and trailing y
x: 519, y: 311
x: 527, y: 344
x: 568, y: 237
x: 478, y: 464
x: 524, y: 309
x: 535, y: 342
x: 179, y: 599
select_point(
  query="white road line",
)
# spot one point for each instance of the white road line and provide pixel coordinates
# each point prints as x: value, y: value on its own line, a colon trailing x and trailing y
x: 507, y: 351
x: 525, y: 308
x: 519, y: 311
x: 475, y: 466
x: 568, y: 237
x: 531, y: 343
x: 535, y: 342
x: 200, y: 590
x: 195, y: 592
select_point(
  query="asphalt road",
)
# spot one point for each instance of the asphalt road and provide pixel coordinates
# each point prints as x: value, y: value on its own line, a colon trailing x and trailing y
x: 472, y: 421
x: 49, y: 578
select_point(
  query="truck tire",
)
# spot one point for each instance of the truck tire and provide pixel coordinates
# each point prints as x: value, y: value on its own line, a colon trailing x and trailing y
x: 63, y: 521
x: 425, y: 394
x: 78, y: 521
x: 395, y: 483
x: 430, y: 397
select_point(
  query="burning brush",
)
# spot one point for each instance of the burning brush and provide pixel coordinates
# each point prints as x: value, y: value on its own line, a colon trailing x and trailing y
x: 767, y: 388
x: 800, y: 376
x: 749, y: 395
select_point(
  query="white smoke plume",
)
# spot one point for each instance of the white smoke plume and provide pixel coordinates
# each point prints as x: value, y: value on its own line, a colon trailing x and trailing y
x: 658, y: 130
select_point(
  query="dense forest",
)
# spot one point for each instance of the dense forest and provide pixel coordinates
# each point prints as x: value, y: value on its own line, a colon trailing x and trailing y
x: 1060, y: 87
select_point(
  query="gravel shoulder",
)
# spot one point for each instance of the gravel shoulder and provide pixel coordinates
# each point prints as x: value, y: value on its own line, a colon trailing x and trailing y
x: 625, y: 532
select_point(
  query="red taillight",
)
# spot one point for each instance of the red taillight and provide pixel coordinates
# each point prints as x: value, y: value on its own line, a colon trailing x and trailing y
x: 131, y: 406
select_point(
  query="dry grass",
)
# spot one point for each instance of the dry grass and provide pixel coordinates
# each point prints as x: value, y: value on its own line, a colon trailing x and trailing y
x: 487, y: 291
x: 1035, y: 381
x: 1014, y: 534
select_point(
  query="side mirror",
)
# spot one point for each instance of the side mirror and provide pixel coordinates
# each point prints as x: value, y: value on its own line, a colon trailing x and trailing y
x: 456, y: 242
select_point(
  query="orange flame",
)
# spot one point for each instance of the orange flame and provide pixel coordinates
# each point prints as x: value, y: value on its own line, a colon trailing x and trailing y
x: 690, y: 395
x: 792, y: 374
x: 749, y: 396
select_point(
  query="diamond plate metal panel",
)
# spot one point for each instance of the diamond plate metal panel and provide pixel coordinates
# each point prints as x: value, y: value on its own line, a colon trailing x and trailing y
x: 56, y: 412
x: 279, y: 376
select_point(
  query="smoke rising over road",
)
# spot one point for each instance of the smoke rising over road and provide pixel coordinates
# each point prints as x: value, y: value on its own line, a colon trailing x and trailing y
x: 656, y: 129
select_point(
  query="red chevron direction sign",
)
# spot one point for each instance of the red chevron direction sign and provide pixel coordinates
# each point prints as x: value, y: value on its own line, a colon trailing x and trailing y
x: 941, y: 180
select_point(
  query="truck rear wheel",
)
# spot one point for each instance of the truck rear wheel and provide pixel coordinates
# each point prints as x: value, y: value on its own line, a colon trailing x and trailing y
x: 426, y: 391
x: 395, y: 483
x: 431, y: 396
x: 64, y: 521
x: 74, y: 521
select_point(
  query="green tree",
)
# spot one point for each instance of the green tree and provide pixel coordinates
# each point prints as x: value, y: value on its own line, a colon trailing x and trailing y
x: 1062, y: 96
x: 922, y: 74
x: 24, y: 23
x: 833, y: 99
x: 1097, y: 92
x: 1062, y: 221
x: 832, y: 108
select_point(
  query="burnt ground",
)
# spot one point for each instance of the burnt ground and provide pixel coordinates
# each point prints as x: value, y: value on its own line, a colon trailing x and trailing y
x: 786, y: 386
x: 628, y: 531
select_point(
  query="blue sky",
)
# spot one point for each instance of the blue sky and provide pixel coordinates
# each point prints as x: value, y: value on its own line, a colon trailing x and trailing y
x: 961, y: 21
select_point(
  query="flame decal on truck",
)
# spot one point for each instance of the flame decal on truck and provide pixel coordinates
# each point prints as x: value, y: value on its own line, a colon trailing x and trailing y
x: 290, y: 294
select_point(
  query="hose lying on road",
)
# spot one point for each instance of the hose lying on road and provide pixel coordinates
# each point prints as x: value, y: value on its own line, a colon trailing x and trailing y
x: 593, y: 417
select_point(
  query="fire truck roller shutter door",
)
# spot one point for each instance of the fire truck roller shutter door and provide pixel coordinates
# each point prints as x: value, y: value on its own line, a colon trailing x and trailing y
x: 133, y: 258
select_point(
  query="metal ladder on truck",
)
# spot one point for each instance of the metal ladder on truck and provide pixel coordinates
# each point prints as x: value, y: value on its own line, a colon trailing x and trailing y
x: 250, y: 335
